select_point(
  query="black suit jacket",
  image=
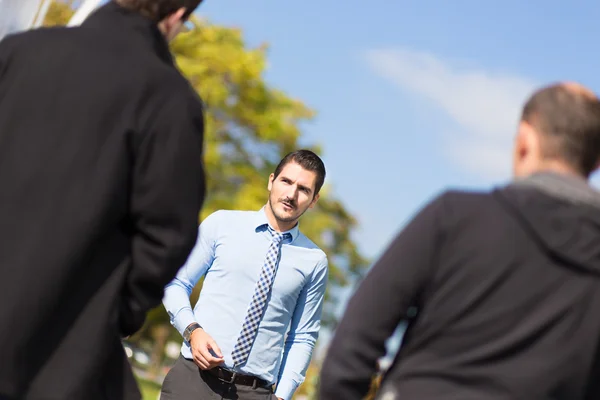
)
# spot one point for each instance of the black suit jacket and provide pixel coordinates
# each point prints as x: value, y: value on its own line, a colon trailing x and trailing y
x: 101, y: 183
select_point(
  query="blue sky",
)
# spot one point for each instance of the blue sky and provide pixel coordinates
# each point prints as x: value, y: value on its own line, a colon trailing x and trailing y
x: 414, y: 97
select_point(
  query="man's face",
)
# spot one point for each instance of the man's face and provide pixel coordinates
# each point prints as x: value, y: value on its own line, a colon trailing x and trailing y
x: 292, y: 192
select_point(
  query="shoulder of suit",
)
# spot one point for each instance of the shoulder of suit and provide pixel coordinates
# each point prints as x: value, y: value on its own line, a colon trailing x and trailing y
x: 32, y: 38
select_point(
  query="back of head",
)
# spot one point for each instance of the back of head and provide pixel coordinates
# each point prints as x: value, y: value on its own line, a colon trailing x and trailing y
x: 157, y: 10
x: 557, y: 148
x: 566, y: 117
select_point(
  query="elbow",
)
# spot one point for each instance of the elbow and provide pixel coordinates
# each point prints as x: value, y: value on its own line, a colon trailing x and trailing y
x: 177, y: 286
x: 306, y: 340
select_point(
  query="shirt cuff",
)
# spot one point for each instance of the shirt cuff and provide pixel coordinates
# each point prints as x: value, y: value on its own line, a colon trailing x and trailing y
x: 285, y: 389
x: 183, y: 319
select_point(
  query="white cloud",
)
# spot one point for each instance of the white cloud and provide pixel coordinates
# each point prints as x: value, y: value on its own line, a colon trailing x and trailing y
x: 484, y: 105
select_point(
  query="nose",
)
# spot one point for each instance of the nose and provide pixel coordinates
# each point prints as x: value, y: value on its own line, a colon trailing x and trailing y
x: 292, y: 192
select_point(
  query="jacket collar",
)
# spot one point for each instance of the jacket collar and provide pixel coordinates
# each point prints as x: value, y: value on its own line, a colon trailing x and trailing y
x: 113, y: 17
x: 566, y: 187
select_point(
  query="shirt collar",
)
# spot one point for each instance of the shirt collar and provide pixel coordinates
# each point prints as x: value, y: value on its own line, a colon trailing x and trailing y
x: 262, y: 223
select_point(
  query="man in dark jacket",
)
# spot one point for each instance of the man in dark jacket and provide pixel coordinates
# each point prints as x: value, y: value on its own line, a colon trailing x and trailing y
x: 101, y: 182
x: 501, y: 290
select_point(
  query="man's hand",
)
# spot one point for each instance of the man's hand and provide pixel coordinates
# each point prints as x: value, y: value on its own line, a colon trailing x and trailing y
x: 205, y: 351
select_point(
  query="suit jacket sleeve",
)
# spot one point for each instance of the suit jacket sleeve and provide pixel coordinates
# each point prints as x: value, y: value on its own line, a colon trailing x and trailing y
x: 380, y: 303
x: 167, y: 194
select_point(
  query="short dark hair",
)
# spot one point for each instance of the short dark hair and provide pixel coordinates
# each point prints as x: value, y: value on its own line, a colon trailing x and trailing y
x: 157, y: 10
x: 568, y: 122
x: 307, y: 160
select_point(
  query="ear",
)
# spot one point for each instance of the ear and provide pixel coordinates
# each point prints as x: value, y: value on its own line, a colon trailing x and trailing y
x: 270, y: 184
x: 177, y: 16
x: 527, y: 152
x: 519, y: 147
x: 314, y: 201
x: 172, y: 24
x: 526, y: 141
x: 171, y: 21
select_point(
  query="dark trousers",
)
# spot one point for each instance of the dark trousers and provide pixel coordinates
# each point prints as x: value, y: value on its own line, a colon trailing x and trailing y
x: 185, y: 381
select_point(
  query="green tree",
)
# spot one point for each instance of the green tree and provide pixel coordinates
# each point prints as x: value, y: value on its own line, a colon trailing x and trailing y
x: 250, y: 126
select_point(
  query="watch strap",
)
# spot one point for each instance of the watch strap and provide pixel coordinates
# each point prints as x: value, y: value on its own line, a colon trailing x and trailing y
x: 187, y: 333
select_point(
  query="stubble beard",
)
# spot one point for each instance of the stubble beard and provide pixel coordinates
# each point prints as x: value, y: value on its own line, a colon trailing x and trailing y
x: 280, y: 217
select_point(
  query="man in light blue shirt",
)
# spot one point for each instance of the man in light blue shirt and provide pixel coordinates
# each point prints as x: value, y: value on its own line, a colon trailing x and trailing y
x: 263, y: 279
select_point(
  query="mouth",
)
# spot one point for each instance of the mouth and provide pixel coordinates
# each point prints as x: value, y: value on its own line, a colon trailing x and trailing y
x: 287, y: 206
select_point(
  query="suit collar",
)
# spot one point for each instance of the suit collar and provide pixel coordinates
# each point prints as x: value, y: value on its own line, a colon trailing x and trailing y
x: 114, y: 17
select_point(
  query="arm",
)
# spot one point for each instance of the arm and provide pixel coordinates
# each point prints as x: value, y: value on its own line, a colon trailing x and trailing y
x: 177, y: 293
x: 167, y: 193
x: 382, y: 300
x: 303, y: 334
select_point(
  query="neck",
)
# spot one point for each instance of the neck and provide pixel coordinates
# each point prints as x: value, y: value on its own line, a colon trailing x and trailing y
x: 279, y: 226
x: 560, y: 168
x: 550, y: 166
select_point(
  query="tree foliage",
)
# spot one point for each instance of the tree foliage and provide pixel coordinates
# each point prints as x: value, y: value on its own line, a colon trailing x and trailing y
x: 250, y: 126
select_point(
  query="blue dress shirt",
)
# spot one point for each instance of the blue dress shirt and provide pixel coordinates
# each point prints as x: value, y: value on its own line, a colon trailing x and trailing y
x: 230, y: 253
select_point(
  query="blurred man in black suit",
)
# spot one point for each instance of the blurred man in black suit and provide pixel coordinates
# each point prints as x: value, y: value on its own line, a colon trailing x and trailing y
x: 101, y: 183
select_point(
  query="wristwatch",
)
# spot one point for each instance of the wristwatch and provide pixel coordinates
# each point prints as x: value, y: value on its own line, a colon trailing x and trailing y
x: 187, y: 333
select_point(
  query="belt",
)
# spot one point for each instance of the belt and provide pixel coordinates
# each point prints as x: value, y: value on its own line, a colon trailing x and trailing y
x: 237, y: 378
